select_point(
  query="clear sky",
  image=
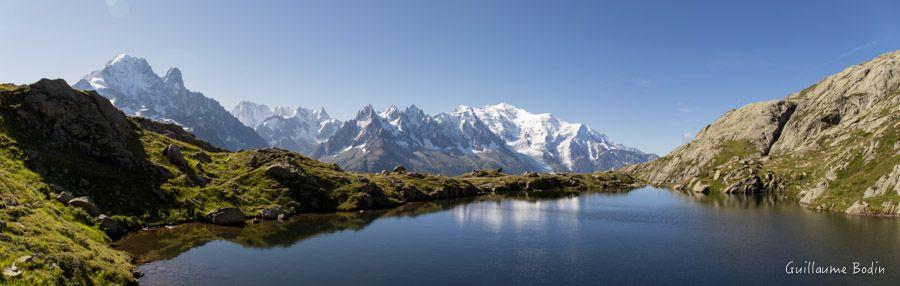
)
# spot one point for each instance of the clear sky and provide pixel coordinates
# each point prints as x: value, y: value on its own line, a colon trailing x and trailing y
x: 647, y: 73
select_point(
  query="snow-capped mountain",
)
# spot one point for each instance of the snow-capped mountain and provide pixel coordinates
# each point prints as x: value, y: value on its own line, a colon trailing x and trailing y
x: 558, y: 145
x: 448, y: 143
x: 132, y: 86
x: 253, y: 114
x: 299, y: 129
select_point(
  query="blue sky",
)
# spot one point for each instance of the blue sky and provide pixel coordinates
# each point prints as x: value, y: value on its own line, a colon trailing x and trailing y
x: 646, y: 73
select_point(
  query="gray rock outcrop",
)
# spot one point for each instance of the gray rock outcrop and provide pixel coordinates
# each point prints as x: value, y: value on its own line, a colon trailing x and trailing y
x: 226, y: 216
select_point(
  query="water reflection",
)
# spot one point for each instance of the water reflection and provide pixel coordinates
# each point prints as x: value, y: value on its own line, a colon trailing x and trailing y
x: 519, y: 213
x: 166, y: 243
x: 607, y: 237
x: 495, y: 213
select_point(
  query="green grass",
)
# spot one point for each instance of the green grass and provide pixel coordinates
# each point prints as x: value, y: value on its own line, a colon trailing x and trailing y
x: 859, y: 174
x: 66, y: 248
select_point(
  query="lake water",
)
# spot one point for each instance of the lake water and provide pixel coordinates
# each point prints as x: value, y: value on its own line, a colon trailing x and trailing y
x: 645, y: 236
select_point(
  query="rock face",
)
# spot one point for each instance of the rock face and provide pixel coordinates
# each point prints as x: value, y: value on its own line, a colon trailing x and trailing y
x: 889, y: 183
x: 67, y: 118
x: 130, y: 83
x: 830, y: 144
x: 226, y: 216
x: 756, y: 126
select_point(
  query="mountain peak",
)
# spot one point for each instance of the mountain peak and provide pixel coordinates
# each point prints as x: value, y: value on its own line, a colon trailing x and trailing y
x: 125, y: 60
x: 322, y: 114
x: 173, y: 78
x: 391, y: 113
x: 366, y: 113
x: 503, y: 106
x: 131, y: 85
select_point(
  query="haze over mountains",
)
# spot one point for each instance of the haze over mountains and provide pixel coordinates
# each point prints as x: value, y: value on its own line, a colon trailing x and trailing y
x: 494, y: 136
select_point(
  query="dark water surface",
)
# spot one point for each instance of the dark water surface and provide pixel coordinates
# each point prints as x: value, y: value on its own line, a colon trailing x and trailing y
x: 646, y: 236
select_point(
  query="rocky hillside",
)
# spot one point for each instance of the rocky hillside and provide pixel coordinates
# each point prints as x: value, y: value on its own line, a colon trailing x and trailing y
x: 75, y: 173
x: 132, y: 86
x: 834, y: 145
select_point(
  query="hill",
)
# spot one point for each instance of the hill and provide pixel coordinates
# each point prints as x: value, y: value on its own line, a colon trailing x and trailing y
x: 833, y: 146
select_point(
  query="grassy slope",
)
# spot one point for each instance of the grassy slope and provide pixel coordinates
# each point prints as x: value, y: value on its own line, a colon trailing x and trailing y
x: 66, y: 242
x: 65, y: 246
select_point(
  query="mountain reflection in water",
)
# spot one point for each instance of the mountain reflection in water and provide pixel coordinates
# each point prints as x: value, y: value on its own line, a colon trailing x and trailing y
x: 645, y: 236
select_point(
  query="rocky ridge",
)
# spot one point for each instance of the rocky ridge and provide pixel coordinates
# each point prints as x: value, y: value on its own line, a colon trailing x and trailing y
x: 833, y: 145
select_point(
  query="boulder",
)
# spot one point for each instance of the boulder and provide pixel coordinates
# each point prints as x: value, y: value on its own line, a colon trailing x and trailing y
x: 374, y: 197
x: 889, y: 183
x: 24, y: 259
x: 110, y: 226
x: 411, y: 193
x: 86, y: 204
x: 199, y: 168
x: 495, y: 188
x: 543, y: 184
x: 271, y: 213
x: 449, y: 192
x: 173, y: 153
x: 12, y: 271
x: 282, y: 171
x: 253, y: 162
x: 750, y: 184
x: 399, y: 169
x: 700, y: 188
x: 202, y: 157
x: 226, y: 216
x: 64, y: 197
x: 808, y: 197
x: 858, y: 208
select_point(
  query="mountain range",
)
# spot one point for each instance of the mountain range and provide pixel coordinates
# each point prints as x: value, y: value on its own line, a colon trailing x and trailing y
x: 468, y: 138
x: 300, y: 130
x: 489, y: 137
